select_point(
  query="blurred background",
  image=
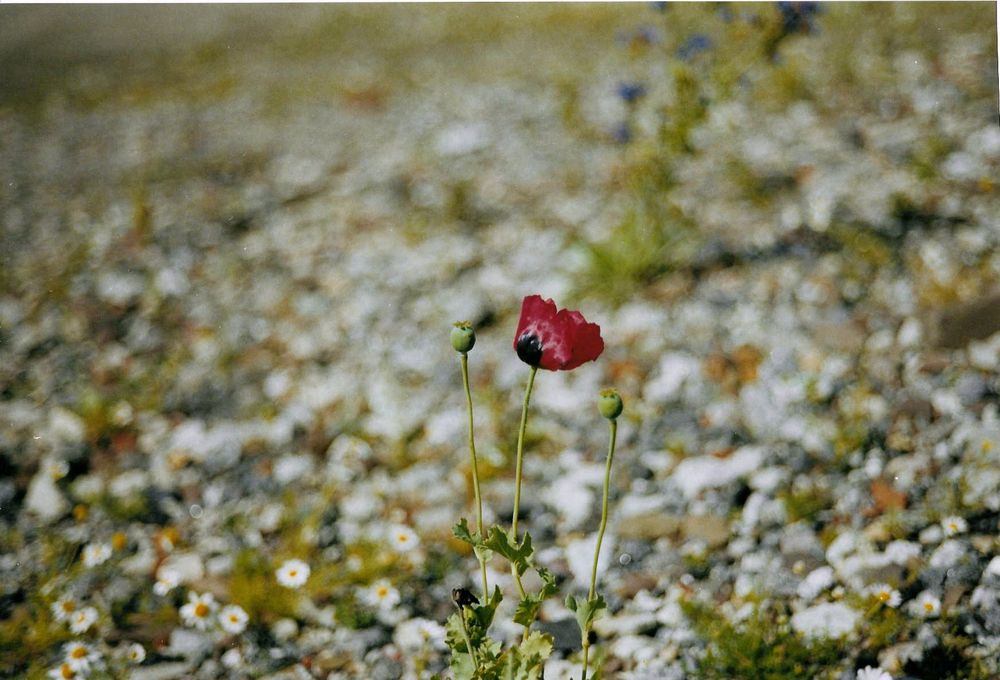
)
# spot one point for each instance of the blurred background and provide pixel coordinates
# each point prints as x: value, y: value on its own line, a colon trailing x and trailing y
x: 234, y: 239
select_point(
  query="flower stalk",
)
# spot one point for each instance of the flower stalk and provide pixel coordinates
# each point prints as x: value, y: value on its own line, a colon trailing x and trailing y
x: 610, y: 405
x: 475, y: 472
x: 518, y: 467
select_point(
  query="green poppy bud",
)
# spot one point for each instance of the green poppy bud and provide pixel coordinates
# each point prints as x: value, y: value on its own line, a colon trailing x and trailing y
x: 610, y: 403
x: 463, y: 338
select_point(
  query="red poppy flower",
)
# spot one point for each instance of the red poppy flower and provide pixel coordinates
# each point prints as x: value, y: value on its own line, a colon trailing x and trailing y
x: 556, y: 340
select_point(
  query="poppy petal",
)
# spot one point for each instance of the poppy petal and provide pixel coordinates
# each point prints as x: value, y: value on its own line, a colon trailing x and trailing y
x: 554, y: 339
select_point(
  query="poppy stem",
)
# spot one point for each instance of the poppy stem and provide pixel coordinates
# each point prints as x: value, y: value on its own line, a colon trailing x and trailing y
x: 600, y: 537
x: 475, y: 471
x: 517, y: 468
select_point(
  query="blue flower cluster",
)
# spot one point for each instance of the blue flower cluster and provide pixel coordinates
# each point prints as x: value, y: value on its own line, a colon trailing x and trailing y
x: 631, y: 92
x: 697, y: 43
x: 797, y: 17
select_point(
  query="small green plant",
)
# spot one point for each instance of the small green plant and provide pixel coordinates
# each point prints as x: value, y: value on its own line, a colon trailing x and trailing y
x: 553, y: 340
x: 761, y: 648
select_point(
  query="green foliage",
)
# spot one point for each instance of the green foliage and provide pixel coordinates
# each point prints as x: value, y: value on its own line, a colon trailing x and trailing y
x: 488, y: 660
x: 761, y: 648
x: 253, y: 586
x: 517, y: 553
x: 805, y: 504
x: 462, y: 532
x: 528, y: 607
x: 586, y: 612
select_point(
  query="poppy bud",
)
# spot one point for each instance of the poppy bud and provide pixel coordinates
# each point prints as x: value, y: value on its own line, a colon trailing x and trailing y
x: 463, y: 337
x: 610, y: 403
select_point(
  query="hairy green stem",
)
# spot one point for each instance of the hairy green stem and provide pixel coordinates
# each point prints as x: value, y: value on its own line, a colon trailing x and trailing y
x: 517, y: 469
x: 600, y: 537
x: 468, y: 640
x: 475, y: 472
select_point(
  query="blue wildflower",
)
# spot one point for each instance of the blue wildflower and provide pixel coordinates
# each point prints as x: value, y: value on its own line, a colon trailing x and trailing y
x: 797, y: 17
x: 697, y: 43
x: 631, y: 92
x: 622, y: 133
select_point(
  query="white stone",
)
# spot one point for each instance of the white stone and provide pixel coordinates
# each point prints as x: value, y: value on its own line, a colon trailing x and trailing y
x: 44, y: 498
x: 188, y: 566
x: 692, y: 475
x: 947, y: 555
x: 284, y: 629
x: 291, y: 467
x: 188, y: 643
x: 66, y: 425
x: 624, y: 624
x: 827, y: 620
x: 675, y: 369
x: 129, y: 483
x: 580, y: 556
x: 816, y: 582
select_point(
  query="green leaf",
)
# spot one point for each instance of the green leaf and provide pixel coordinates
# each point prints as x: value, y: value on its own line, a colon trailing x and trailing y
x: 527, y: 610
x: 481, y: 616
x: 527, y: 660
x: 518, y: 554
x: 528, y: 607
x: 463, y: 533
x: 549, y: 587
x: 587, y: 611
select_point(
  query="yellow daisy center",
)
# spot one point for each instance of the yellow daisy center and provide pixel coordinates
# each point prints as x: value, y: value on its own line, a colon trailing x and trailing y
x: 201, y: 610
x: 233, y: 618
x: 292, y: 573
x: 68, y: 607
x: 929, y: 606
x: 78, y: 653
x: 883, y: 595
x: 66, y: 671
x: 382, y: 591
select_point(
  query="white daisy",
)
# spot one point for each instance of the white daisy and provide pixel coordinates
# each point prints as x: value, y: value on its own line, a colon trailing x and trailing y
x: 63, y: 672
x: 135, y: 653
x: 403, y: 538
x: 869, y: 673
x: 954, y: 525
x: 80, y: 657
x: 198, y: 611
x: 927, y: 605
x: 381, y: 594
x: 166, y: 580
x: 95, y: 554
x: 63, y: 608
x: 293, y: 573
x: 82, y: 620
x: 885, y: 594
x: 233, y: 619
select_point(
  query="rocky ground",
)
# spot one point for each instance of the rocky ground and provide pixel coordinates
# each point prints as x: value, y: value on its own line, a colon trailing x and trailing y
x: 234, y: 242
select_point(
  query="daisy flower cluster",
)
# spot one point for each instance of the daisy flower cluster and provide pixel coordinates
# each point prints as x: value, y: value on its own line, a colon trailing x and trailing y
x: 202, y: 612
x: 82, y: 659
x: 68, y: 611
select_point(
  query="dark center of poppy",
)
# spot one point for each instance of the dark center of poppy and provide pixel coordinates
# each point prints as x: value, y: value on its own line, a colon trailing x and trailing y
x: 529, y: 349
